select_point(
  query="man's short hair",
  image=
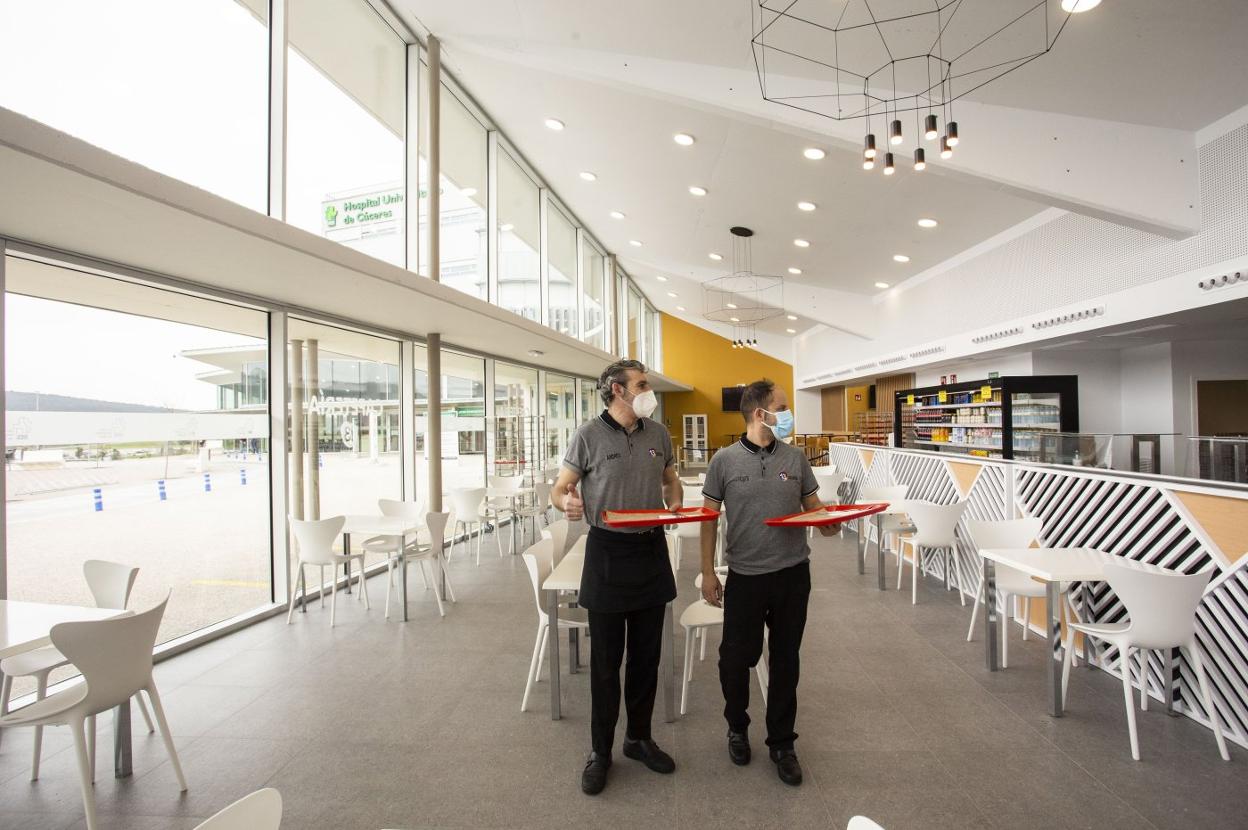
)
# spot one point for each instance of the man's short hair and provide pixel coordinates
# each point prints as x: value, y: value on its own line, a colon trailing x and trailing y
x: 616, y: 373
x: 756, y: 396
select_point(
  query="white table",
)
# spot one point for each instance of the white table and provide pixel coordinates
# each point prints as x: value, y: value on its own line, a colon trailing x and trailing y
x: 894, y: 509
x: 567, y: 577
x: 26, y: 626
x: 1053, y: 566
x: 378, y: 525
x: 511, y: 494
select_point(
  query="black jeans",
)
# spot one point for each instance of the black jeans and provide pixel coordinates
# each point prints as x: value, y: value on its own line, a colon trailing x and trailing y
x: 641, y: 634
x: 777, y: 600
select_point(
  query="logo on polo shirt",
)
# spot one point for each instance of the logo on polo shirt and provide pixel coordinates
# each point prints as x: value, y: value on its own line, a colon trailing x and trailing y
x: 784, y: 476
x: 654, y: 453
x: 612, y: 456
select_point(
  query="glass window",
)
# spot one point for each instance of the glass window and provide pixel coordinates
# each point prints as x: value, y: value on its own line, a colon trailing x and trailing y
x: 517, y: 426
x: 463, y: 421
x: 350, y: 406
x: 634, y: 324
x: 463, y: 198
x: 138, y: 432
x: 519, y: 286
x: 129, y: 76
x: 653, y: 357
x: 561, y: 418
x: 594, y: 324
x: 346, y: 96
x: 561, y: 272
x: 591, y: 404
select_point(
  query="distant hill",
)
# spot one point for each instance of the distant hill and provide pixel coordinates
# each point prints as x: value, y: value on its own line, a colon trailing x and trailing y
x: 35, y: 401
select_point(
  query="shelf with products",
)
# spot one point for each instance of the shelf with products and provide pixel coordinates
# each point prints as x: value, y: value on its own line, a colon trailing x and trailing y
x: 983, y: 416
x: 874, y: 427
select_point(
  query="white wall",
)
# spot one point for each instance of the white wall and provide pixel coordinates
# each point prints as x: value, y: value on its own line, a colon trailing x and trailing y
x: 1100, y: 384
x: 976, y: 368
x: 807, y: 411
x: 1148, y: 397
x: 1194, y: 360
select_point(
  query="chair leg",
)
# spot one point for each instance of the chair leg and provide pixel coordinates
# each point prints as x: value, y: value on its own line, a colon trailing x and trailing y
x: 450, y: 589
x: 957, y: 569
x: 147, y: 718
x: 77, y: 727
x: 901, y: 559
x: 1026, y: 616
x: 687, y: 669
x: 1066, y: 658
x: 979, y: 597
x: 1074, y: 617
x: 41, y: 691
x: 915, y: 565
x: 532, y: 675
x: 424, y: 578
x: 480, y: 533
x: 333, y: 601
x: 1198, y: 664
x: 389, y: 582
x: 1006, y: 616
x: 364, y: 585
x: 1143, y: 652
x: 159, y: 711
x: 702, y: 654
x: 290, y: 614
x: 91, y: 746
x: 541, y: 655
x: 1124, y: 664
x: 437, y: 595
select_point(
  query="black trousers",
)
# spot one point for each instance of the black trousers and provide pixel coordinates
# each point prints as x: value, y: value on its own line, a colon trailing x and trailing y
x: 640, y: 633
x: 777, y: 600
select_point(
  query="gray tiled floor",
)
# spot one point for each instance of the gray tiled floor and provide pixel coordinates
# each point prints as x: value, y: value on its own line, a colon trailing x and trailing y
x: 377, y: 724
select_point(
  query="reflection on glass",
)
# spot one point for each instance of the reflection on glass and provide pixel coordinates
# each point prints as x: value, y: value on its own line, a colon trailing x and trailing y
x: 138, y: 432
x: 652, y: 357
x: 594, y: 325
x: 519, y: 284
x: 561, y: 272
x: 463, y: 421
x: 634, y: 325
x: 344, y: 153
x: 125, y: 76
x: 518, y: 430
x: 561, y: 419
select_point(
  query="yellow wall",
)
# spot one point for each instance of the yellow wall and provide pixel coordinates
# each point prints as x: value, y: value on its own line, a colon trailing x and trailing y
x: 707, y: 362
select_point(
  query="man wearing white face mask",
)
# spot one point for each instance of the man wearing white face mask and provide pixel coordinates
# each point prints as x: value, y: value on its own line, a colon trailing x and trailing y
x: 768, y: 582
x: 622, y: 460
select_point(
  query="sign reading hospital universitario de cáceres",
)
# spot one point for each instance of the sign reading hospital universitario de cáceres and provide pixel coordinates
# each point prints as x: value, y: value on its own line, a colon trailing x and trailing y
x: 361, y: 214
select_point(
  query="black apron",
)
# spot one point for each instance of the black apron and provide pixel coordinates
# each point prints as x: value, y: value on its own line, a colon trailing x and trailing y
x: 626, y: 571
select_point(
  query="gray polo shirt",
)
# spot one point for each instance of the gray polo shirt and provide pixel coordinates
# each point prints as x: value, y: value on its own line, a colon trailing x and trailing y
x: 755, y: 483
x: 619, y: 470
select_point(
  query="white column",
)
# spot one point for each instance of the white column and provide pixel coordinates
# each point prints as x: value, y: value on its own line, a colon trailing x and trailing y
x: 433, y: 429
x: 278, y: 29
x: 279, y: 457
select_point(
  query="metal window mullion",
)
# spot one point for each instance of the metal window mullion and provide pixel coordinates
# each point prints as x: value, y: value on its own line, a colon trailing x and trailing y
x: 278, y: 39
x: 407, y: 418
x: 411, y: 161
x: 491, y: 216
x: 543, y: 257
x: 279, y: 460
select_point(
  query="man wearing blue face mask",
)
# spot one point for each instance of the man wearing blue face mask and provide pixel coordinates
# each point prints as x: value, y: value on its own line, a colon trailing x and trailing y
x: 768, y: 582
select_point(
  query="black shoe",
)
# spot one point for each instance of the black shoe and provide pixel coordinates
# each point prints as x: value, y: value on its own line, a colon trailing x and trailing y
x: 787, y: 767
x: 594, y: 778
x: 648, y: 752
x: 739, y: 747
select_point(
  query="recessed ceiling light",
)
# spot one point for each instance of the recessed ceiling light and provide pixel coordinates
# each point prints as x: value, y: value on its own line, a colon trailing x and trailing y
x: 683, y: 139
x: 680, y: 308
x: 928, y: 223
x: 791, y: 316
x: 506, y: 226
x: 716, y: 257
x: 731, y: 305
x: 801, y: 243
x: 795, y: 271
x: 588, y: 176
x: 468, y: 191
x: 813, y: 153
x: 1076, y: 6
x: 791, y: 331
x: 697, y: 190
x: 735, y: 319
x: 536, y: 352
x: 881, y: 285
x: 900, y: 258
x: 636, y: 243
x: 555, y: 124
x: 660, y: 278
x: 671, y: 294
x: 615, y: 214
x: 806, y: 206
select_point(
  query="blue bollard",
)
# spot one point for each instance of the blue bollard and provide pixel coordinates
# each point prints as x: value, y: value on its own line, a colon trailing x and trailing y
x: 242, y: 476
x: 207, y: 482
x: 97, y: 495
x: 160, y: 488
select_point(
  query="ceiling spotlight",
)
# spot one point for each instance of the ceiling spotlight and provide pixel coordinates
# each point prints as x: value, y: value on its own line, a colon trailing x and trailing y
x: 536, y: 352
x: 795, y: 271
x: 894, y: 132
x: 889, y: 169
x: 881, y: 285
x: 680, y: 308
x: 868, y: 146
x: 660, y: 278
x: 696, y: 190
x: 554, y: 124
x: 588, y: 176
x: 813, y: 153
x: 506, y: 226
x: 731, y: 305
x: 683, y: 139
x: 806, y: 206
x: 636, y: 243
x: 469, y: 192
x: 791, y: 331
x: 791, y: 316
x: 928, y: 223
x: 920, y: 159
x: 716, y: 257
x: 801, y: 243
x: 615, y: 214
x: 929, y: 127
x: 946, y: 151
x: 900, y: 258
x: 671, y: 294
x: 1077, y: 6
x: 951, y: 133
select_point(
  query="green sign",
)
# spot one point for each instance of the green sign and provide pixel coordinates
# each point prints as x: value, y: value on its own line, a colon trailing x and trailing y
x: 362, y: 214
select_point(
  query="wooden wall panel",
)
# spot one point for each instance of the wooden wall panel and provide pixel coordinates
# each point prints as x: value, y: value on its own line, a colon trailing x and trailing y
x: 832, y: 400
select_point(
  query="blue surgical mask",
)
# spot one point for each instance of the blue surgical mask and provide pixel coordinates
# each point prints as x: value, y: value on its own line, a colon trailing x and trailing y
x: 784, y: 424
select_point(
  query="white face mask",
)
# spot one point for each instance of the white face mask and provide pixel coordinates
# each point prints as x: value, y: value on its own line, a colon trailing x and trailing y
x: 645, y: 404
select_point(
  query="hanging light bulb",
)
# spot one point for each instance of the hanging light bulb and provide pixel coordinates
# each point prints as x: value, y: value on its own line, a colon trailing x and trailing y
x: 946, y: 151
x: 889, y: 169
x: 920, y: 159
x: 868, y: 146
x: 929, y: 127
x: 868, y: 163
x: 951, y: 133
x: 894, y: 132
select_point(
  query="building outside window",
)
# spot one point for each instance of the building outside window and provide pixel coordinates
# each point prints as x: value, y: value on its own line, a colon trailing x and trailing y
x: 561, y: 420
x: 561, y: 272
x: 463, y: 421
x: 519, y: 232
x: 590, y: 402
x: 634, y: 323
x: 653, y: 358
x: 594, y: 323
x: 518, y: 434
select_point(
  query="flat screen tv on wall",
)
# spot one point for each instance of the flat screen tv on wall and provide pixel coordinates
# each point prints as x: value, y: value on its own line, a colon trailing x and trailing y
x: 732, y: 398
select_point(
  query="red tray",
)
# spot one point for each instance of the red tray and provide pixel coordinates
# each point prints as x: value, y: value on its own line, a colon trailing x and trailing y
x: 654, y: 518
x: 832, y: 514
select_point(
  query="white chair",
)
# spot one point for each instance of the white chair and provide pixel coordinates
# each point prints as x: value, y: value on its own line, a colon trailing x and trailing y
x: 262, y: 810
x: 936, y: 528
x: 115, y: 658
x: 539, y: 507
x: 389, y: 545
x: 862, y: 823
x: 537, y: 560
x: 1011, y: 583
x: 829, y: 484
x: 1161, y: 606
x: 557, y: 531
x: 496, y: 508
x: 110, y: 585
x: 697, y: 620
x: 686, y: 533
x: 466, y: 504
x: 315, y: 539
x: 893, y: 524
x: 416, y: 550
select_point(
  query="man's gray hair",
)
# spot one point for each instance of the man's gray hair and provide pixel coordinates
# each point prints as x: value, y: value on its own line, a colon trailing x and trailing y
x: 615, y: 373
